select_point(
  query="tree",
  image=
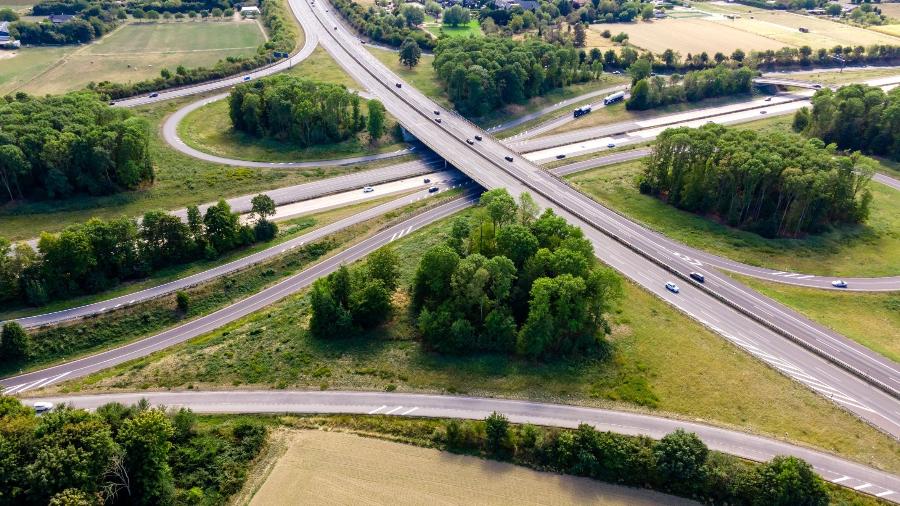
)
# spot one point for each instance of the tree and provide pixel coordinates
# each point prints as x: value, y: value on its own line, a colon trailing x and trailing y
x: 433, y: 8
x: 383, y: 264
x: 647, y: 12
x: 801, y: 120
x: 517, y: 243
x: 580, y: 35
x: 640, y: 96
x: 788, y: 481
x: 221, y: 227
x: 410, y: 53
x: 413, y: 15
x: 431, y: 284
x: 370, y: 305
x: 72, y: 497
x: 500, y: 206
x: 14, y: 342
x: 639, y: 70
x: 496, y: 431
x: 8, y: 14
x: 328, y: 317
x: 165, y: 74
x: 376, y: 124
x: 456, y: 15
x: 680, y: 460
x: 528, y: 208
x: 833, y: 9
x: 182, y: 300
x: 146, y: 440
x: 262, y: 206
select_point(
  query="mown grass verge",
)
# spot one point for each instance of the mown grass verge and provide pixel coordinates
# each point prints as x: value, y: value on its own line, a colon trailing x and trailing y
x: 662, y: 362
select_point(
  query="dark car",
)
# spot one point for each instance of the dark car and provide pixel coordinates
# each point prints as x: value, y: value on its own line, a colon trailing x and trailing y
x: 112, y: 103
x: 560, y: 156
x: 154, y: 95
x: 426, y: 181
x: 696, y: 276
x: 398, y: 85
x: 470, y: 141
x: 477, y: 137
x: 437, y: 120
x: 508, y: 158
x: 438, y: 113
x: 433, y: 189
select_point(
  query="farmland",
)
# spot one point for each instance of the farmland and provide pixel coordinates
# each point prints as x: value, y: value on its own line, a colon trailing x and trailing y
x: 337, y: 468
x: 131, y: 53
x: 691, y: 35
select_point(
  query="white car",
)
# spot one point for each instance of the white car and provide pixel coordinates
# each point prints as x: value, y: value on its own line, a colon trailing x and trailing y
x: 839, y: 283
x: 368, y: 189
x: 42, y: 407
x: 672, y: 287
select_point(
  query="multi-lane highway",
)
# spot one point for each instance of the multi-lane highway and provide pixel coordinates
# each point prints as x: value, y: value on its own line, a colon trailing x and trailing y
x: 834, y: 469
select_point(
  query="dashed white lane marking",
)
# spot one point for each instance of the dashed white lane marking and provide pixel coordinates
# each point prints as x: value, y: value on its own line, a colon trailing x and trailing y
x: 132, y: 301
x: 791, y: 275
x: 842, y: 478
x: 884, y: 494
x: 393, y: 237
x: 376, y: 410
x: 393, y: 410
x: 408, y: 411
x: 864, y: 485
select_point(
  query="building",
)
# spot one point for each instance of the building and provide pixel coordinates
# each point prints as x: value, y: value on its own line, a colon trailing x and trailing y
x: 249, y: 11
x: 528, y: 5
x: 58, y: 19
x: 4, y: 31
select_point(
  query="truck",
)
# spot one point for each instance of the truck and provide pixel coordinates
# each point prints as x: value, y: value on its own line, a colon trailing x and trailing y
x: 615, y: 97
x: 581, y: 111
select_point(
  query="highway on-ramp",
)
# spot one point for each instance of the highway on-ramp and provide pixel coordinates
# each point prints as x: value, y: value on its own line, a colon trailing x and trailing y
x: 832, y: 468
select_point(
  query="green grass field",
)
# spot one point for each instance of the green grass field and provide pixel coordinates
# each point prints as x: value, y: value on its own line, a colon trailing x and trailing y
x: 133, y: 52
x: 209, y: 129
x: 471, y: 28
x: 861, y: 251
x: 660, y: 363
x: 421, y: 76
x: 320, y: 66
x: 180, y: 181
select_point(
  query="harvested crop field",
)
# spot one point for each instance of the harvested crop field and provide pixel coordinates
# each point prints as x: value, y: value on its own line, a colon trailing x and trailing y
x: 691, y: 35
x: 336, y: 468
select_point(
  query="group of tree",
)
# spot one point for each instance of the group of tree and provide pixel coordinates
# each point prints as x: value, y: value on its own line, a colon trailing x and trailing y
x: 58, y: 146
x: 282, y: 37
x: 121, y: 455
x: 482, y: 74
x: 347, y: 302
x: 290, y: 108
x: 679, y: 463
x: 509, y: 281
x: 776, y: 184
x: 387, y: 27
x: 649, y: 92
x: 97, y: 255
x: 855, y: 117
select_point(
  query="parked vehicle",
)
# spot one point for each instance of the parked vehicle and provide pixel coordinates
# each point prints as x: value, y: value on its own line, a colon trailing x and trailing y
x: 42, y: 407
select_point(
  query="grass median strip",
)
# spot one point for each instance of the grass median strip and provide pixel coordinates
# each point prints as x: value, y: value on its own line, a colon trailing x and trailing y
x: 868, y: 250
x: 68, y: 341
x: 662, y: 362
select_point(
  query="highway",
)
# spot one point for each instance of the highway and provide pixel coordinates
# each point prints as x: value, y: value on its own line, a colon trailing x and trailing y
x: 832, y: 468
x: 17, y: 385
x: 444, y: 181
x: 778, y: 337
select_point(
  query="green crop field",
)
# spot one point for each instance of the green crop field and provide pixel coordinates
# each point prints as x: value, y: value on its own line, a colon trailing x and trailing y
x: 133, y: 52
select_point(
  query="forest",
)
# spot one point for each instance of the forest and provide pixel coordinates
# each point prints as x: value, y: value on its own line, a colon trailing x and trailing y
x: 855, y: 117
x: 290, y: 108
x: 774, y: 184
x: 59, y: 146
x: 649, y: 92
x: 483, y: 74
x: 97, y: 255
x: 510, y: 281
x: 122, y: 455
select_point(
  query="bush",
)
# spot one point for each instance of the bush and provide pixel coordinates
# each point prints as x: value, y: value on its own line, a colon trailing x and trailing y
x: 183, y: 301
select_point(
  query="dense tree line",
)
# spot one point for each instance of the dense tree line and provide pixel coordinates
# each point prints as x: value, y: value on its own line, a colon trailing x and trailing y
x: 291, y: 108
x: 390, y: 28
x: 345, y: 302
x: 121, y: 455
x: 99, y: 254
x: 511, y: 282
x: 91, y: 21
x: 679, y: 463
x: 58, y: 146
x: 282, y: 33
x: 774, y: 184
x: 856, y: 117
x: 482, y: 74
x: 649, y: 92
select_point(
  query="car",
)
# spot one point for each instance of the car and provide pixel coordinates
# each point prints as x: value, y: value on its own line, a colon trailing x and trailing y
x: 817, y: 86
x: 335, y: 27
x: 246, y: 78
x: 696, y: 276
x: 508, y: 158
x: 839, y: 283
x: 672, y: 287
x: 437, y: 120
x: 42, y: 407
x: 769, y: 99
x: 611, y: 145
x: 477, y: 137
x: 437, y: 113
x: 470, y: 142
x: 763, y: 111
x: 398, y: 85
x: 368, y: 189
x: 154, y: 95
x: 426, y: 180
x: 560, y: 156
x: 617, y: 72
x: 433, y: 189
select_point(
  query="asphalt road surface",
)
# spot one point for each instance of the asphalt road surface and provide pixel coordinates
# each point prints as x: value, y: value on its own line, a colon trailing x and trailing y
x: 832, y: 468
x: 781, y: 338
x: 77, y: 368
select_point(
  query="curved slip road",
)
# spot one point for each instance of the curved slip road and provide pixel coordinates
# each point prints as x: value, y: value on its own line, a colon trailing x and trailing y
x: 832, y: 468
x: 447, y: 180
x: 16, y: 385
